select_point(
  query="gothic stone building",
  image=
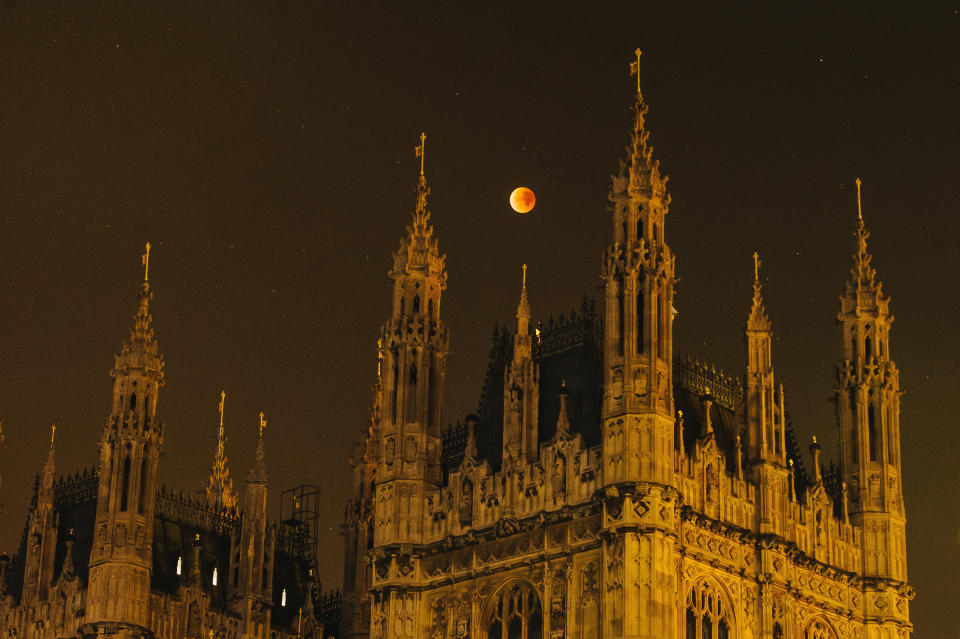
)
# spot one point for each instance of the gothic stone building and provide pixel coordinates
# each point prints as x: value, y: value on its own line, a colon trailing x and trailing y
x: 110, y: 553
x: 608, y: 488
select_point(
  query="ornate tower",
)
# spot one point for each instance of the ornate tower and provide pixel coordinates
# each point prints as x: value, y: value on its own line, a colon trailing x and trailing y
x: 765, y: 416
x: 868, y: 409
x: 121, y: 556
x: 42, y: 539
x: 254, y: 572
x: 358, y: 529
x: 521, y: 391
x: 413, y: 351
x: 638, y: 422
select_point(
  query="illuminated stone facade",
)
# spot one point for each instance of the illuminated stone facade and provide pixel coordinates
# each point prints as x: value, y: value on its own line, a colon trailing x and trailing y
x: 110, y: 553
x: 628, y: 493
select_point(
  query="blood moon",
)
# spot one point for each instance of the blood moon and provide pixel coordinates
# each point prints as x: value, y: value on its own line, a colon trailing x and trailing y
x: 522, y: 200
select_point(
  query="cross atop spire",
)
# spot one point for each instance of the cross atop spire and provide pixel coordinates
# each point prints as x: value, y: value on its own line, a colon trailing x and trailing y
x: 635, y: 68
x: 863, y: 275
x: 420, y: 150
x: 644, y: 178
x: 421, y: 216
x: 140, y: 351
x: 757, y: 320
x: 145, y: 260
x: 859, y: 208
x: 523, y: 308
x: 258, y: 472
x: 419, y: 253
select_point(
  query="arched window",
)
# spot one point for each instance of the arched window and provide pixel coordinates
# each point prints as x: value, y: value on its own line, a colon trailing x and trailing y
x: 393, y: 392
x: 708, y: 612
x: 515, y: 613
x: 872, y: 428
x: 640, y: 336
x: 777, y: 630
x: 854, y: 444
x: 661, y: 326
x: 403, y: 306
x: 867, y: 349
x: 621, y: 323
x: 410, y: 397
x: 416, y: 304
x: 819, y: 629
x: 430, y: 309
x: 125, y: 483
x: 143, y: 482
x: 133, y: 401
x: 639, y: 228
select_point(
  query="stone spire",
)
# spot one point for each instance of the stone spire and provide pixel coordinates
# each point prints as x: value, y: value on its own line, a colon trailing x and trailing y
x: 645, y: 179
x: 863, y: 290
x: 523, y: 308
x: 419, y: 250
x: 141, y: 352
x: 258, y: 471
x: 563, y: 419
x: 49, y: 468
x: 521, y: 389
x: 220, y: 494
x: 757, y: 320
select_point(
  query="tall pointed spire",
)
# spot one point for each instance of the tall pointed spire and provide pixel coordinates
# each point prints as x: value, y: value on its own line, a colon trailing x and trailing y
x: 258, y: 472
x: 863, y: 275
x: 141, y: 352
x: 220, y: 492
x: 757, y: 320
x: 644, y: 170
x: 523, y: 308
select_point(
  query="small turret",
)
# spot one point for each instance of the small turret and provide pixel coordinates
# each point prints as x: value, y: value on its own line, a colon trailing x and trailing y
x: 521, y: 391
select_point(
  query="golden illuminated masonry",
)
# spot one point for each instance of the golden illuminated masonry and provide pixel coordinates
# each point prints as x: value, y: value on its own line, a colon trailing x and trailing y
x: 605, y: 487
x: 608, y: 487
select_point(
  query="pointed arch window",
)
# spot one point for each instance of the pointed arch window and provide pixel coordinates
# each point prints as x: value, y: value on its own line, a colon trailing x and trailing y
x: 125, y: 483
x: 143, y: 482
x: 393, y: 391
x: 708, y: 613
x: 515, y: 613
x: 854, y: 445
x: 819, y: 629
x: 621, y: 320
x: 872, y: 428
x: 640, y: 337
x: 416, y: 304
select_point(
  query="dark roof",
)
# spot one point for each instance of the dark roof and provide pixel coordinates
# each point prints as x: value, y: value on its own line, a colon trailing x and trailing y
x: 177, y: 520
x: 571, y: 348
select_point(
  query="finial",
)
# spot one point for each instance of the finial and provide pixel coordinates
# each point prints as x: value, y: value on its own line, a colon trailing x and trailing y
x: 635, y: 68
x: 53, y: 433
x: 524, y: 275
x: 145, y: 260
x: 263, y: 424
x: 859, y: 209
x: 419, y: 150
x: 756, y: 267
x: 223, y: 396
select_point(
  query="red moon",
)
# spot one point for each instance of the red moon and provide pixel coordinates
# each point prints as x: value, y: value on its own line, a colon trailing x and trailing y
x: 522, y: 200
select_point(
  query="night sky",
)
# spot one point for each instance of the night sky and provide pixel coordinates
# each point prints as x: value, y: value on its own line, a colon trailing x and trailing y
x: 266, y: 152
